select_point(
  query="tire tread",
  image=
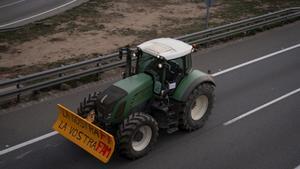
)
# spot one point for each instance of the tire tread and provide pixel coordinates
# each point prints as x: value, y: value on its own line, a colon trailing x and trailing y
x: 127, y: 129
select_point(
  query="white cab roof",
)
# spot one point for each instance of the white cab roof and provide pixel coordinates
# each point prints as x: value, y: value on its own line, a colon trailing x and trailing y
x: 166, y: 47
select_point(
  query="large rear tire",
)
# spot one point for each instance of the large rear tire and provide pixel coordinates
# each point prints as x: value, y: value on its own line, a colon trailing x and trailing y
x: 136, y: 135
x: 198, y: 107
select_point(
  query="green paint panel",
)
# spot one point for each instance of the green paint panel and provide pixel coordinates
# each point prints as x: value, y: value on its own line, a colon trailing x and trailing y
x: 139, y: 88
x: 186, y: 82
x: 133, y: 83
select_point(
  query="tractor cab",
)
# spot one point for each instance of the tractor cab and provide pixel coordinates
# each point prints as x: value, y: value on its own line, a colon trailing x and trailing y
x: 166, y: 60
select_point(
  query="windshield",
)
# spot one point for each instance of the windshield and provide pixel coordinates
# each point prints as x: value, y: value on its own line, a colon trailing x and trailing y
x: 144, y: 60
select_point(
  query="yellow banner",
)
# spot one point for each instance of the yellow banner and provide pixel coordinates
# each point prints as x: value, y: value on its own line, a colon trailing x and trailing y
x: 88, y: 136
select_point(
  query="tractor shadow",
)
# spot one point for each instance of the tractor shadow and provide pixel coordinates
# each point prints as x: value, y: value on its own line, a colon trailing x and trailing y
x: 164, y: 143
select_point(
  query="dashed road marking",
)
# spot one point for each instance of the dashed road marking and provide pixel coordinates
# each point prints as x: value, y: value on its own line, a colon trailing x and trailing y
x: 255, y: 60
x: 261, y: 107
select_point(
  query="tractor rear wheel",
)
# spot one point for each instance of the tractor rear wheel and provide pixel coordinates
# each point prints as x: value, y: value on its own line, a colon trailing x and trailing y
x: 198, y: 107
x: 136, y: 135
x: 87, y: 108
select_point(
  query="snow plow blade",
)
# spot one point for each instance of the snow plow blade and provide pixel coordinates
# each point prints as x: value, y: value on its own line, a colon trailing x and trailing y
x: 88, y: 136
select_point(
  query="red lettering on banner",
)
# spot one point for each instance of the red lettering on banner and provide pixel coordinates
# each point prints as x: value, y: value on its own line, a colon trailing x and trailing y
x: 103, y: 149
x: 100, y: 145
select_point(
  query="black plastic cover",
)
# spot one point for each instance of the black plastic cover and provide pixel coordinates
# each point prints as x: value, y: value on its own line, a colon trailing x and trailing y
x: 109, y: 97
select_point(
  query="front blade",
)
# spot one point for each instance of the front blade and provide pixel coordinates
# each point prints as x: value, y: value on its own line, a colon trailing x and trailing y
x: 88, y: 136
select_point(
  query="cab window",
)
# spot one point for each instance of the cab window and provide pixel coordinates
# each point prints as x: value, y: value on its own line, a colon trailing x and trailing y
x: 178, y: 62
x: 144, y: 60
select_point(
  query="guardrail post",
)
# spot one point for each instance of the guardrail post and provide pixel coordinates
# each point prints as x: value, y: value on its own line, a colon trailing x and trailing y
x: 61, y: 74
x: 63, y: 86
x: 98, y: 75
x: 18, y: 86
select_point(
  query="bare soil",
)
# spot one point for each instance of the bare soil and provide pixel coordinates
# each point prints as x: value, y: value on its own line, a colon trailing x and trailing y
x: 123, y: 23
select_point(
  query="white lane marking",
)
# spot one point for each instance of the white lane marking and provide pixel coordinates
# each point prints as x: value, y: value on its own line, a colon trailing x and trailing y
x: 5, y: 151
x: 216, y: 74
x: 34, y: 16
x: 298, y: 167
x: 255, y: 60
x: 11, y: 4
x: 261, y: 107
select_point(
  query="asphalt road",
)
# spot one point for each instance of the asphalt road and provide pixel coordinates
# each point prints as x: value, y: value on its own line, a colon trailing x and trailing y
x: 15, y: 13
x: 267, y: 138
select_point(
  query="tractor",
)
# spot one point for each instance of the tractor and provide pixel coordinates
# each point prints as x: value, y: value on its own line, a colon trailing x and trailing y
x: 159, y: 91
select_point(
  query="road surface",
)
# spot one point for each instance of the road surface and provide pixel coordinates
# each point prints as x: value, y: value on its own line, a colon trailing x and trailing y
x: 15, y: 13
x: 254, y: 124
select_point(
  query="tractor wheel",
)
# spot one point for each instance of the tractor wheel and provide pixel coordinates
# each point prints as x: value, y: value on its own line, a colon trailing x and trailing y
x: 198, y: 107
x: 87, y: 108
x: 136, y: 135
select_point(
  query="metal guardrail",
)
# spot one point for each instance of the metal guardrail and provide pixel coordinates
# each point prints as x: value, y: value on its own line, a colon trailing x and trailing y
x: 34, y: 82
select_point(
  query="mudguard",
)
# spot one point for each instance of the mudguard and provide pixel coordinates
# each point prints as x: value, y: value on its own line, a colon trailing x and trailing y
x: 86, y: 135
x: 188, y: 83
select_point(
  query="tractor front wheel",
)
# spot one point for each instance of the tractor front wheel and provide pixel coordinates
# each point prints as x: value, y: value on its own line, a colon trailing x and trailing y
x: 87, y: 108
x: 136, y: 135
x: 198, y: 107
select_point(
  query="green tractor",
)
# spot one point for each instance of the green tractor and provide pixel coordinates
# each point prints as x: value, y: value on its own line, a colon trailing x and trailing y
x: 159, y: 91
